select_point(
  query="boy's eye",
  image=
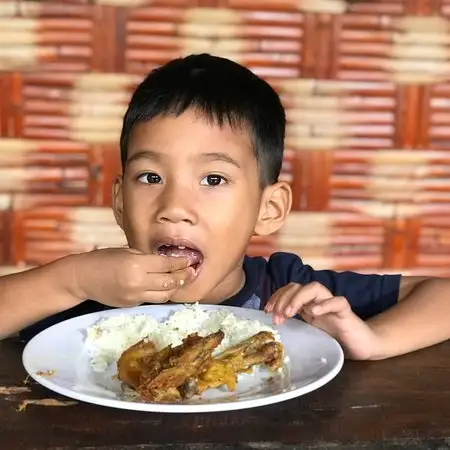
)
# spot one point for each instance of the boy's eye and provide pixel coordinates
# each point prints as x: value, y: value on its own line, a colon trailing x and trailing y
x: 213, y: 180
x: 150, y: 178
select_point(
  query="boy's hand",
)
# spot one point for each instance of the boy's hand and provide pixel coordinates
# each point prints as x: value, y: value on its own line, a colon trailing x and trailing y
x: 317, y: 306
x: 124, y: 277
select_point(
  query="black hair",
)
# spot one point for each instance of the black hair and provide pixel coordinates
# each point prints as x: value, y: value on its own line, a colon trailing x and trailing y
x: 221, y: 90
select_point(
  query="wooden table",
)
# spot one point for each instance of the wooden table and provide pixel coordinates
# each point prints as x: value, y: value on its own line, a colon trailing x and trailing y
x: 394, y: 404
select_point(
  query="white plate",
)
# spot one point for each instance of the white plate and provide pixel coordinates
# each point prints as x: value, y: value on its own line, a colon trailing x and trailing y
x: 314, y: 359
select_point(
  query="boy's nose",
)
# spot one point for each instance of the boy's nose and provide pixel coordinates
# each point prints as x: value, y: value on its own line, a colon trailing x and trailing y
x: 176, y: 207
x: 175, y: 216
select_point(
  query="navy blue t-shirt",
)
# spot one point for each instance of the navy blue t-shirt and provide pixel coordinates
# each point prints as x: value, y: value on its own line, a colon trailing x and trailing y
x: 368, y: 295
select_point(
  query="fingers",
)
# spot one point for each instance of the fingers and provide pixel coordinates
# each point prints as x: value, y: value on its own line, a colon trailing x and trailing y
x: 129, y: 277
x: 155, y: 272
x: 279, y: 303
x: 280, y: 295
x: 168, y: 281
x: 306, y: 317
x: 292, y: 299
x: 163, y: 264
x: 312, y: 292
x: 161, y: 289
x: 334, y: 305
x: 158, y: 287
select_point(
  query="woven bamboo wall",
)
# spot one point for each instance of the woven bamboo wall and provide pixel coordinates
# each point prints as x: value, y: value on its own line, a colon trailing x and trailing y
x: 366, y: 88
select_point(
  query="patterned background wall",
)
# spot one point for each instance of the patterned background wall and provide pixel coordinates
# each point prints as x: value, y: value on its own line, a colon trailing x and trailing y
x: 366, y: 87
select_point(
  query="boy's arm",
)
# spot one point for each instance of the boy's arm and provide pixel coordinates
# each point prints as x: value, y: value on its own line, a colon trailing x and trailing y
x: 406, y: 313
x: 420, y: 319
x: 115, y: 277
x: 34, y: 294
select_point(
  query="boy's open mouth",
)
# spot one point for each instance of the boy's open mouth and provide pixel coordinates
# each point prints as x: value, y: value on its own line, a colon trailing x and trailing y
x: 181, y: 250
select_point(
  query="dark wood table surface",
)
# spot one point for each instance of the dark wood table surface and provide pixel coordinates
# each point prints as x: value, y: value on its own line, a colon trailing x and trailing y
x: 402, y: 403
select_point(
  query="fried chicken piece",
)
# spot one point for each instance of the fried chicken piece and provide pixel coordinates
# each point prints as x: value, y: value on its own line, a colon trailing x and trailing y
x: 217, y: 374
x: 186, y: 361
x: 169, y: 395
x: 270, y: 354
x: 131, y: 363
x: 249, y: 345
x: 142, y: 362
x: 258, y: 349
x: 179, y: 373
x: 158, y: 376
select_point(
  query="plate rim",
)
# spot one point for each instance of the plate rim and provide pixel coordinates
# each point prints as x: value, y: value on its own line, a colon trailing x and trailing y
x: 178, y: 408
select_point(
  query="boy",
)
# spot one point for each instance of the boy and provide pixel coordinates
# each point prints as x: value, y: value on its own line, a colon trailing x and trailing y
x: 202, y: 147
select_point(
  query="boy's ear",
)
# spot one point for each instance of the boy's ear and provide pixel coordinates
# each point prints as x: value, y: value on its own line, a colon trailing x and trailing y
x: 117, y: 200
x: 276, y: 203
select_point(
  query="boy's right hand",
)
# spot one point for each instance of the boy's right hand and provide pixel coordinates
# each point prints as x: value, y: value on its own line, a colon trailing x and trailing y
x: 123, y: 277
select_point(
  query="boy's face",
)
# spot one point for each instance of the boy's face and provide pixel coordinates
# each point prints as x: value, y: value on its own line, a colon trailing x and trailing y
x: 189, y: 183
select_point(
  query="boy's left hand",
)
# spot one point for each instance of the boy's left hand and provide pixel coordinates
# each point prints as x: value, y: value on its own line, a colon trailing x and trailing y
x: 317, y: 306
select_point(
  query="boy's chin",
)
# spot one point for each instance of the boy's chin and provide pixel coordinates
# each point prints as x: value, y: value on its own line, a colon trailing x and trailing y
x: 193, y: 293
x: 187, y: 294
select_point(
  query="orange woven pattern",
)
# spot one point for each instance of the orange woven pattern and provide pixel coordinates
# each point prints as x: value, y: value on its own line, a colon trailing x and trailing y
x: 366, y: 88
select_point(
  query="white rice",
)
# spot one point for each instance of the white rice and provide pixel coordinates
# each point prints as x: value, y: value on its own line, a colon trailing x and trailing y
x: 110, y: 337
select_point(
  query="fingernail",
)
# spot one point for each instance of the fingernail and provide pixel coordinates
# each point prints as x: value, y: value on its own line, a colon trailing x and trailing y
x: 288, y: 311
x: 315, y: 309
x: 181, y: 283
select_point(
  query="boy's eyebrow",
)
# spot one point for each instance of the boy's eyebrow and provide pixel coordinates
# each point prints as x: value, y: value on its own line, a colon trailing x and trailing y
x: 145, y: 154
x: 219, y: 156
x: 211, y: 156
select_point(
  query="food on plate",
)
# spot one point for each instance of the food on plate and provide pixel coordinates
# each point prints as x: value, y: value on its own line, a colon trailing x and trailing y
x: 260, y: 349
x: 46, y: 373
x: 178, y: 373
x: 157, y: 376
x: 107, y: 339
x: 192, y: 350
